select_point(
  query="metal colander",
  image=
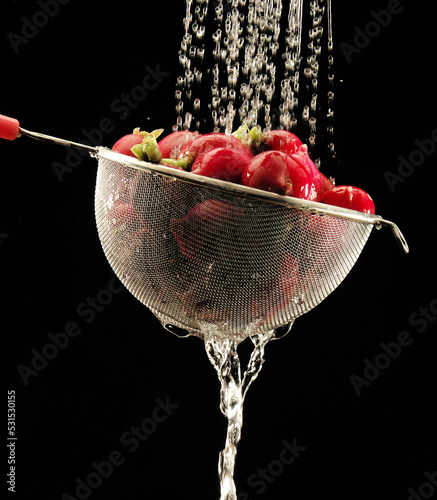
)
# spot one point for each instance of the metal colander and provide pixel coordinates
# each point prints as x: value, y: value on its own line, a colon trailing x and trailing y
x: 207, y: 256
x: 211, y: 257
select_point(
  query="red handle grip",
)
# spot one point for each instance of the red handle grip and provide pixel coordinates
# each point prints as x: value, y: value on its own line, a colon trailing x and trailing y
x: 9, y: 128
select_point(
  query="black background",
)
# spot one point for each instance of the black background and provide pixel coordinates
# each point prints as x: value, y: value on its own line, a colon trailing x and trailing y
x: 376, y: 445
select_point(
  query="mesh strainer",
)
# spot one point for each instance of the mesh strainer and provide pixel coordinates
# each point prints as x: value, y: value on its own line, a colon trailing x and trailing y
x: 207, y: 256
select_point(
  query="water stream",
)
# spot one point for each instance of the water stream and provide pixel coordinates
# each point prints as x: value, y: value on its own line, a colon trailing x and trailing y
x: 224, y: 357
x: 262, y: 62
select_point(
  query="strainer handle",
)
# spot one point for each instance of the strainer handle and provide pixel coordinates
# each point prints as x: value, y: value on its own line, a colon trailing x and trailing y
x: 10, y: 129
x: 399, y: 237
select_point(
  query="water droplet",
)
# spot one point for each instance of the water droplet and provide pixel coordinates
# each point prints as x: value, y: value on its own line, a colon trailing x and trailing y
x: 179, y: 332
x: 299, y: 299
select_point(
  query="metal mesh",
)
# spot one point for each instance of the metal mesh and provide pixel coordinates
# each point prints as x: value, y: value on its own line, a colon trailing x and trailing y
x: 205, y: 260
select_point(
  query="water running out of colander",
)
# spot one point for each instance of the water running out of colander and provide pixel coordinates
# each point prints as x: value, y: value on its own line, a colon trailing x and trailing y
x: 224, y: 357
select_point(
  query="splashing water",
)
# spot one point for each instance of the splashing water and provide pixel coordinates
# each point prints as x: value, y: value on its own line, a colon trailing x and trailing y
x: 266, y: 66
x: 261, y: 75
x: 292, y: 55
x: 224, y: 357
x: 191, y: 57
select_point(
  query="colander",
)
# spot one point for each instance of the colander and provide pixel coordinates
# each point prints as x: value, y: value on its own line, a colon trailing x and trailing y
x: 211, y: 257
x: 219, y: 261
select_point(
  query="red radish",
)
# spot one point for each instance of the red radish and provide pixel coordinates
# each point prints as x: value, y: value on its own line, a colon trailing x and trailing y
x: 205, y: 143
x: 141, y: 145
x: 259, y: 141
x: 277, y: 172
x: 226, y: 164
x: 320, y: 183
x: 302, y: 158
x: 191, y: 232
x: 287, y: 280
x: 171, y: 145
x: 126, y: 143
x: 280, y: 140
x: 123, y: 214
x: 349, y: 197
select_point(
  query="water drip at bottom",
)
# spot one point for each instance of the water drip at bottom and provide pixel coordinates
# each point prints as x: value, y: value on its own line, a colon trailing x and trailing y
x: 222, y: 353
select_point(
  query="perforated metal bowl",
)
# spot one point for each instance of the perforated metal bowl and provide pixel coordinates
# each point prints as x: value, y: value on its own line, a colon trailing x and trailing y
x: 207, y: 255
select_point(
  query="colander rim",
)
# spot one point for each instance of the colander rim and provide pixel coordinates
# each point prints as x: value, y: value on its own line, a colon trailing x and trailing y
x: 238, y: 189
